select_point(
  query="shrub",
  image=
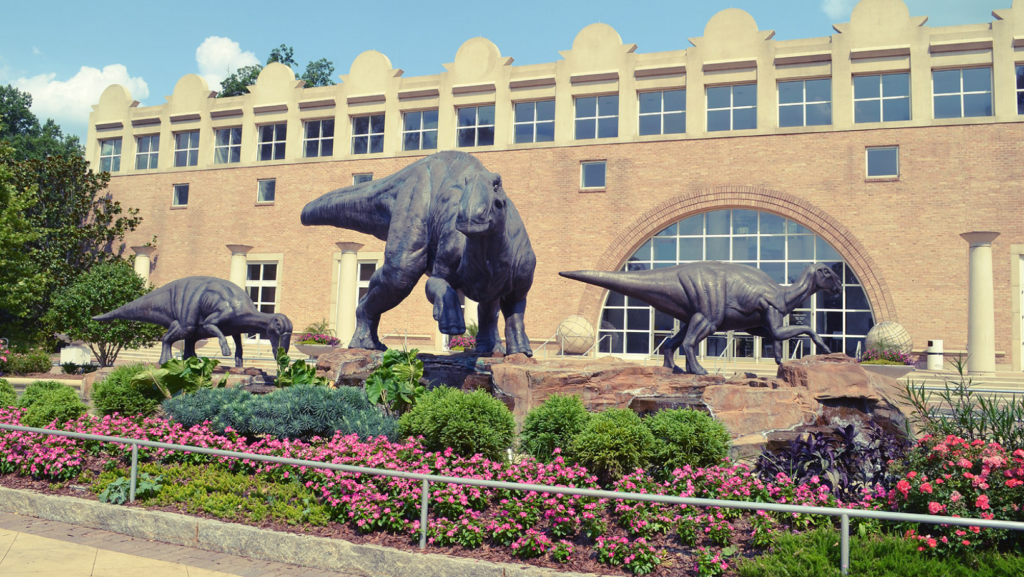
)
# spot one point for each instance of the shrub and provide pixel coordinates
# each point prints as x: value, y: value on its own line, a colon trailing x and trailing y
x: 612, y: 444
x: 553, y: 425
x: 35, y: 391
x: 468, y: 423
x: 7, y: 395
x: 687, y: 437
x: 117, y: 393
x: 176, y: 376
x: 204, y: 405
x: 48, y: 401
x: 34, y: 361
x: 395, y: 384
x: 297, y: 373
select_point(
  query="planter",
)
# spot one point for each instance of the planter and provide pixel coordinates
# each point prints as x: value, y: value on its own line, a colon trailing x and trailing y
x: 314, y: 351
x: 893, y: 371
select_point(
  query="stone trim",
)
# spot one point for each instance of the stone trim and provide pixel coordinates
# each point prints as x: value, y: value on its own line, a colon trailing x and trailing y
x: 961, y: 45
x: 425, y: 93
x: 532, y: 82
x: 367, y: 98
x: 882, y: 52
x: 110, y: 126
x: 473, y: 88
x: 191, y: 117
x: 144, y: 121
x: 231, y: 112
x: 596, y: 77
x: 270, y: 108
x: 802, y: 58
x: 739, y: 64
x: 702, y: 200
x: 325, y: 103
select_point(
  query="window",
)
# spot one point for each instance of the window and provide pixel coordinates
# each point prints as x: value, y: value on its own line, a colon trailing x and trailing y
x: 360, y: 178
x: 110, y: 155
x: 597, y: 117
x: 180, y: 197
x: 962, y: 93
x: 366, y: 270
x: 148, y: 152
x: 261, y: 284
x: 1020, y: 90
x: 186, y: 148
x: 663, y: 112
x: 535, y: 121
x: 883, y: 162
x: 319, y: 138
x: 265, y: 190
x: 592, y: 174
x: 367, y: 134
x: 881, y: 98
x: 419, y: 131
x: 271, y: 140
x: 805, y: 102
x: 476, y: 126
x: 732, y: 107
x: 227, y: 146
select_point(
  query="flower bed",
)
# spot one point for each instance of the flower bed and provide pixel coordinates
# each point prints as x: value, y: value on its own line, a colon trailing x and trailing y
x: 317, y: 339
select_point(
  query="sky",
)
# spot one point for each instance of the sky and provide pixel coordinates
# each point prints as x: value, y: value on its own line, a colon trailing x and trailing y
x: 66, y: 53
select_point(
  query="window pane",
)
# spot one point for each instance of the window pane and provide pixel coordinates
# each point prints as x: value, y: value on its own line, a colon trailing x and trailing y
x: 718, y: 222
x: 377, y: 124
x: 467, y: 116
x: 883, y: 161
x: 977, y: 79
x: 744, y: 118
x: 819, y: 90
x: 675, y: 100
x: 545, y: 131
x: 593, y: 175
x: 586, y: 129
x: 650, y: 124
x: 411, y: 141
x: 525, y: 111
x: 429, y: 139
x: 280, y: 131
x: 772, y: 224
x: 142, y: 162
x: 546, y: 110
x: 801, y: 247
x: 947, y: 106
x: 856, y: 299
x: 744, y: 248
x: 236, y: 153
x: 773, y: 248
x: 819, y: 114
x: 718, y: 120
x: 254, y: 274
x: 312, y: 148
x: 776, y: 270
x: 279, y: 151
x: 361, y: 125
x: 608, y: 105
x: 430, y: 119
x: 467, y: 137
x: 117, y: 144
x: 524, y: 133
x: 865, y: 87
x: 744, y: 222
x: 638, y: 343
x: 485, y: 136
x: 895, y: 85
x: 181, y: 158
x: 867, y: 111
x: 718, y: 248
x: 897, y: 109
x: 946, y: 81
x: 327, y: 129
x: 650, y: 102
x: 608, y: 127
x: 824, y: 251
x: 412, y: 120
x: 236, y: 136
x: 377, y: 143
x: 692, y: 226
x: 223, y: 138
x: 691, y: 249
x: 858, y: 323
x: 313, y: 129
x: 360, y: 144
x: 744, y: 95
x: 675, y: 123
x: 792, y: 115
x: 586, y: 107
x: 791, y: 92
x: 366, y: 270
x: 106, y: 148
x: 978, y: 104
x: 327, y: 147
x: 269, y: 273
x: 665, y: 249
x: 638, y: 319
x: 719, y: 97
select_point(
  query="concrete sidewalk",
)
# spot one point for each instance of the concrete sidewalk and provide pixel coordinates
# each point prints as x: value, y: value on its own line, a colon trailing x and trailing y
x: 31, y: 547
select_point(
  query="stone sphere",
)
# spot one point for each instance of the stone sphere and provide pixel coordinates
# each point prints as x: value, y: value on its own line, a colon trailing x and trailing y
x: 576, y: 335
x: 889, y: 336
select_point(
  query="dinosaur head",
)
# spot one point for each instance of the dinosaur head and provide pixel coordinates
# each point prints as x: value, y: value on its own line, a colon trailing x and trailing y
x: 279, y: 332
x: 483, y: 206
x: 826, y: 279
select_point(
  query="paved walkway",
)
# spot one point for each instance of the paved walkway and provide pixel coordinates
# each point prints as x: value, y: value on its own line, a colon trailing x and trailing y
x: 31, y: 547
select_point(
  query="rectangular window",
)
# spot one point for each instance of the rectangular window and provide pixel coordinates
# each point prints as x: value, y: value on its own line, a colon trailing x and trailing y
x: 180, y: 197
x: 592, y: 174
x: 265, y: 190
x: 367, y: 134
x: 419, y: 130
x: 148, y: 152
x: 1020, y: 90
x: 227, y: 146
x: 319, y: 139
x: 110, y: 155
x: 881, y: 98
x: 883, y: 162
x: 962, y: 93
x: 732, y: 107
x: 535, y: 121
x: 366, y: 270
x: 476, y: 126
x: 597, y: 117
x: 805, y: 102
x: 186, y: 148
x: 261, y: 284
x: 663, y: 112
x: 271, y: 141
x: 360, y: 178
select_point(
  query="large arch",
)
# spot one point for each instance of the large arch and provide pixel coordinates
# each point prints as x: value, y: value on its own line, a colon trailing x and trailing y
x: 752, y: 197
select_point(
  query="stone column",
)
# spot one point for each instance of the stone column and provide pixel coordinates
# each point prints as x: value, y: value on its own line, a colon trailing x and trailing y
x: 347, y: 281
x: 143, y: 260
x: 981, y: 326
x: 239, y: 263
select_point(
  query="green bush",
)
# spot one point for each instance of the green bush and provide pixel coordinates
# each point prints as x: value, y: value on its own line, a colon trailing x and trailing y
x: 686, y: 437
x: 553, y: 424
x: 469, y: 423
x: 118, y: 394
x: 34, y: 361
x: 7, y: 395
x: 48, y: 401
x: 613, y: 443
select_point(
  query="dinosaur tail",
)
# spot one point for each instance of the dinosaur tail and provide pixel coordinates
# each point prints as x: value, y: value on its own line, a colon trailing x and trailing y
x: 357, y: 207
x: 637, y: 284
x: 133, y: 311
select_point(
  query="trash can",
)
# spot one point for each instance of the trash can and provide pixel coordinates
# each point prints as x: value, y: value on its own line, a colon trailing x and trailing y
x: 935, y: 359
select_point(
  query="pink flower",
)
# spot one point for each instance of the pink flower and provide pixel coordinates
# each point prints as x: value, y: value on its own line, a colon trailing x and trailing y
x: 982, y: 502
x: 935, y: 508
x: 926, y: 488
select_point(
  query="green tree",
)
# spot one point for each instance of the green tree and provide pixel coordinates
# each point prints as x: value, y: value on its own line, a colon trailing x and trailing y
x: 103, y: 288
x: 318, y: 73
x: 21, y: 281
x: 284, y: 55
x: 30, y: 139
x: 238, y: 83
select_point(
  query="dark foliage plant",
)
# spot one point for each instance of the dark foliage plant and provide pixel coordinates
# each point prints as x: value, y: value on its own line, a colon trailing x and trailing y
x: 553, y: 425
x: 614, y: 443
x: 468, y: 423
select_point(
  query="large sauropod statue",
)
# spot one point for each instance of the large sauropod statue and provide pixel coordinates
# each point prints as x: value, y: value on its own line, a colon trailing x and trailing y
x: 201, y: 307
x: 718, y: 296
x: 448, y: 217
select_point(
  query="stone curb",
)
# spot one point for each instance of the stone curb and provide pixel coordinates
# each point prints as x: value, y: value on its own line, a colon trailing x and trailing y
x: 266, y: 545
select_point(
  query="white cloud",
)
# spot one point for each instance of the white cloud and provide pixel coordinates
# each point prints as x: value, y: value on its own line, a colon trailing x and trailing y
x: 71, y: 100
x: 219, y: 57
x: 838, y: 10
x: 36, y: 51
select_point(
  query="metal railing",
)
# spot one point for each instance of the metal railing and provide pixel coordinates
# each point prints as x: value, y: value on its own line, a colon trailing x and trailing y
x: 843, y: 514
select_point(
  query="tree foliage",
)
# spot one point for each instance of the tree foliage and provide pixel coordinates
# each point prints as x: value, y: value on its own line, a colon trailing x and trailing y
x: 22, y: 282
x: 317, y: 73
x: 238, y: 83
x: 283, y: 54
x: 30, y: 138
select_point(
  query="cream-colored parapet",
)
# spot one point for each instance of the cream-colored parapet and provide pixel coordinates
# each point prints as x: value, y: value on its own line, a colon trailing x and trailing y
x: 881, y: 37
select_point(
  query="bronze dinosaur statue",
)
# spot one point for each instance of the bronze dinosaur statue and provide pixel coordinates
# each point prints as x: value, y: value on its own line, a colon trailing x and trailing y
x: 201, y: 307
x: 448, y: 217
x: 718, y: 296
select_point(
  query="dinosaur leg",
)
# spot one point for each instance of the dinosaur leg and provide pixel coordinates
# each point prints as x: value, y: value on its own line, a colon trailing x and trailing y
x: 668, y: 348
x: 698, y: 330
x: 783, y: 333
x: 238, y: 349
x: 190, y: 348
x: 516, y: 340
x: 488, y: 339
x: 765, y: 334
x: 389, y: 286
x: 175, y: 332
x: 211, y: 327
x: 447, y: 310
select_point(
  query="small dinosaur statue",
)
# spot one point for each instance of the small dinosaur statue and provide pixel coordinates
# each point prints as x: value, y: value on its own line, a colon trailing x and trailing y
x: 200, y: 307
x: 717, y: 296
x: 448, y: 217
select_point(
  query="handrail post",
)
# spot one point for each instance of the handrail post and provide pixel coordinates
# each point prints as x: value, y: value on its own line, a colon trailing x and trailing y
x: 135, y: 471
x: 425, y: 500
x: 844, y: 545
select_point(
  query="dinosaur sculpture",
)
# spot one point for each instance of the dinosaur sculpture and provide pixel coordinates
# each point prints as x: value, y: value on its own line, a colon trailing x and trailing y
x: 449, y: 217
x: 717, y: 296
x: 200, y: 307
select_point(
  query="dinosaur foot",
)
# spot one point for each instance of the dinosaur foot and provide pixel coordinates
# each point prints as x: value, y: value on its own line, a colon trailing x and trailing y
x: 225, y: 350
x: 490, y: 348
x: 367, y: 343
x: 677, y: 370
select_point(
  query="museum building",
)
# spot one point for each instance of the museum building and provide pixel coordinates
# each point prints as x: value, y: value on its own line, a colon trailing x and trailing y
x: 872, y: 149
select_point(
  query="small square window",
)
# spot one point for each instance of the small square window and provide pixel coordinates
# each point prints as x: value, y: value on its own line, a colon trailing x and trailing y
x: 534, y: 121
x: 186, y: 148
x: 368, y: 134
x: 271, y: 140
x: 476, y: 126
x: 361, y: 178
x: 732, y: 107
x: 180, y: 197
x: 883, y: 162
x: 419, y: 130
x: 663, y: 112
x: 597, y: 117
x: 592, y: 174
x: 265, y: 193
x: 319, y: 138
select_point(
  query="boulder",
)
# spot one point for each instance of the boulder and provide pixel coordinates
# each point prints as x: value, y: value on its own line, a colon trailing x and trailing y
x: 339, y: 364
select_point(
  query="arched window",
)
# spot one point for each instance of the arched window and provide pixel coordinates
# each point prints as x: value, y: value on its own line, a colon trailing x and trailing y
x: 778, y: 246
